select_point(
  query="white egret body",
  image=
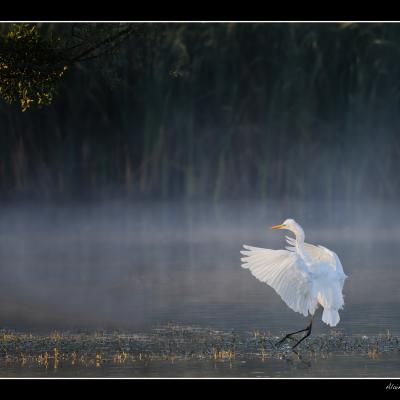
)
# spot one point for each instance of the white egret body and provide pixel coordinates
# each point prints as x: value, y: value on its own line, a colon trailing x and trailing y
x: 304, y: 275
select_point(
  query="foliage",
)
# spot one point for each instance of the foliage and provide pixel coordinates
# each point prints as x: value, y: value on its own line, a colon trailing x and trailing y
x: 33, y: 63
x: 30, y: 66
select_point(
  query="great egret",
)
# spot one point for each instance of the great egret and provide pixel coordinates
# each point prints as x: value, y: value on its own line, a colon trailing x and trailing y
x: 304, y: 275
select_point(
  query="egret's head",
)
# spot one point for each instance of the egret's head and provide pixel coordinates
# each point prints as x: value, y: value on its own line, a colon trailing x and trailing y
x: 290, y: 225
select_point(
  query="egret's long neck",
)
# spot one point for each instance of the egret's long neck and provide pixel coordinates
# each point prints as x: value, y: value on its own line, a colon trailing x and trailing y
x: 299, y: 237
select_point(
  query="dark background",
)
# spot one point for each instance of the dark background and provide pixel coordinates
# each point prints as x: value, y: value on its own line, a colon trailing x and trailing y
x: 218, y: 111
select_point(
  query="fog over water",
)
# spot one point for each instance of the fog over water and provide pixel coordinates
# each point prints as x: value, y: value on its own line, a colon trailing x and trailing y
x: 133, y: 266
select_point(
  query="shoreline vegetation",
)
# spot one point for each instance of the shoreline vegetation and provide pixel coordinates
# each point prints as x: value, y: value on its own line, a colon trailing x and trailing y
x: 219, y: 111
x: 176, y: 343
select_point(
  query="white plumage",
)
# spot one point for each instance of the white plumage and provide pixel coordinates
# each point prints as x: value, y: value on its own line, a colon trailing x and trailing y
x: 304, y: 275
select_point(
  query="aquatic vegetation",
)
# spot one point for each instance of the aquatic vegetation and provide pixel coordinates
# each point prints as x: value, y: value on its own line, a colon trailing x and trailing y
x: 174, y: 343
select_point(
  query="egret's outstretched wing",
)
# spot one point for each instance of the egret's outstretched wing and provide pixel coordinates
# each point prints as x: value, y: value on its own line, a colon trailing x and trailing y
x: 285, y: 272
x: 321, y: 254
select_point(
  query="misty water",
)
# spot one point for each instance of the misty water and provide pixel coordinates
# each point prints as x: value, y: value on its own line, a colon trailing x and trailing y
x: 132, y: 266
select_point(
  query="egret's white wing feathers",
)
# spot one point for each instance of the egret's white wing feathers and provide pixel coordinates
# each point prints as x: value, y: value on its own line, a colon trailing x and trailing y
x: 285, y: 272
x: 322, y: 254
x: 319, y: 254
x: 328, y: 279
x: 290, y: 240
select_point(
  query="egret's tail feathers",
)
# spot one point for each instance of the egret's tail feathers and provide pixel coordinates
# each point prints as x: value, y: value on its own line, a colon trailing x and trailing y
x: 330, y: 316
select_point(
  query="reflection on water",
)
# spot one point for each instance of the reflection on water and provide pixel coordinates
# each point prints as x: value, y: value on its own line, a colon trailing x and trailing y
x: 120, y: 266
x: 334, y: 366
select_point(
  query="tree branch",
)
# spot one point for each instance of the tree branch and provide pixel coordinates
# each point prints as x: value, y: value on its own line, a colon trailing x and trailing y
x: 110, y: 39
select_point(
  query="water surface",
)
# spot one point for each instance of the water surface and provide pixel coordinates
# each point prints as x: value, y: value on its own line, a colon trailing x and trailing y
x: 135, y: 266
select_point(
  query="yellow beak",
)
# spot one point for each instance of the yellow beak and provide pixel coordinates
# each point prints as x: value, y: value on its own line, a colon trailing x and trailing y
x: 281, y: 226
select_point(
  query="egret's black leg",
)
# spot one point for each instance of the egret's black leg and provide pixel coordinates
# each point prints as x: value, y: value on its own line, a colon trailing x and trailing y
x: 291, y: 334
x: 306, y: 335
x: 308, y: 330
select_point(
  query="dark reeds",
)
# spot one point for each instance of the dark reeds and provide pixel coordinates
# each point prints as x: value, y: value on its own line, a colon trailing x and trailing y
x: 221, y: 111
